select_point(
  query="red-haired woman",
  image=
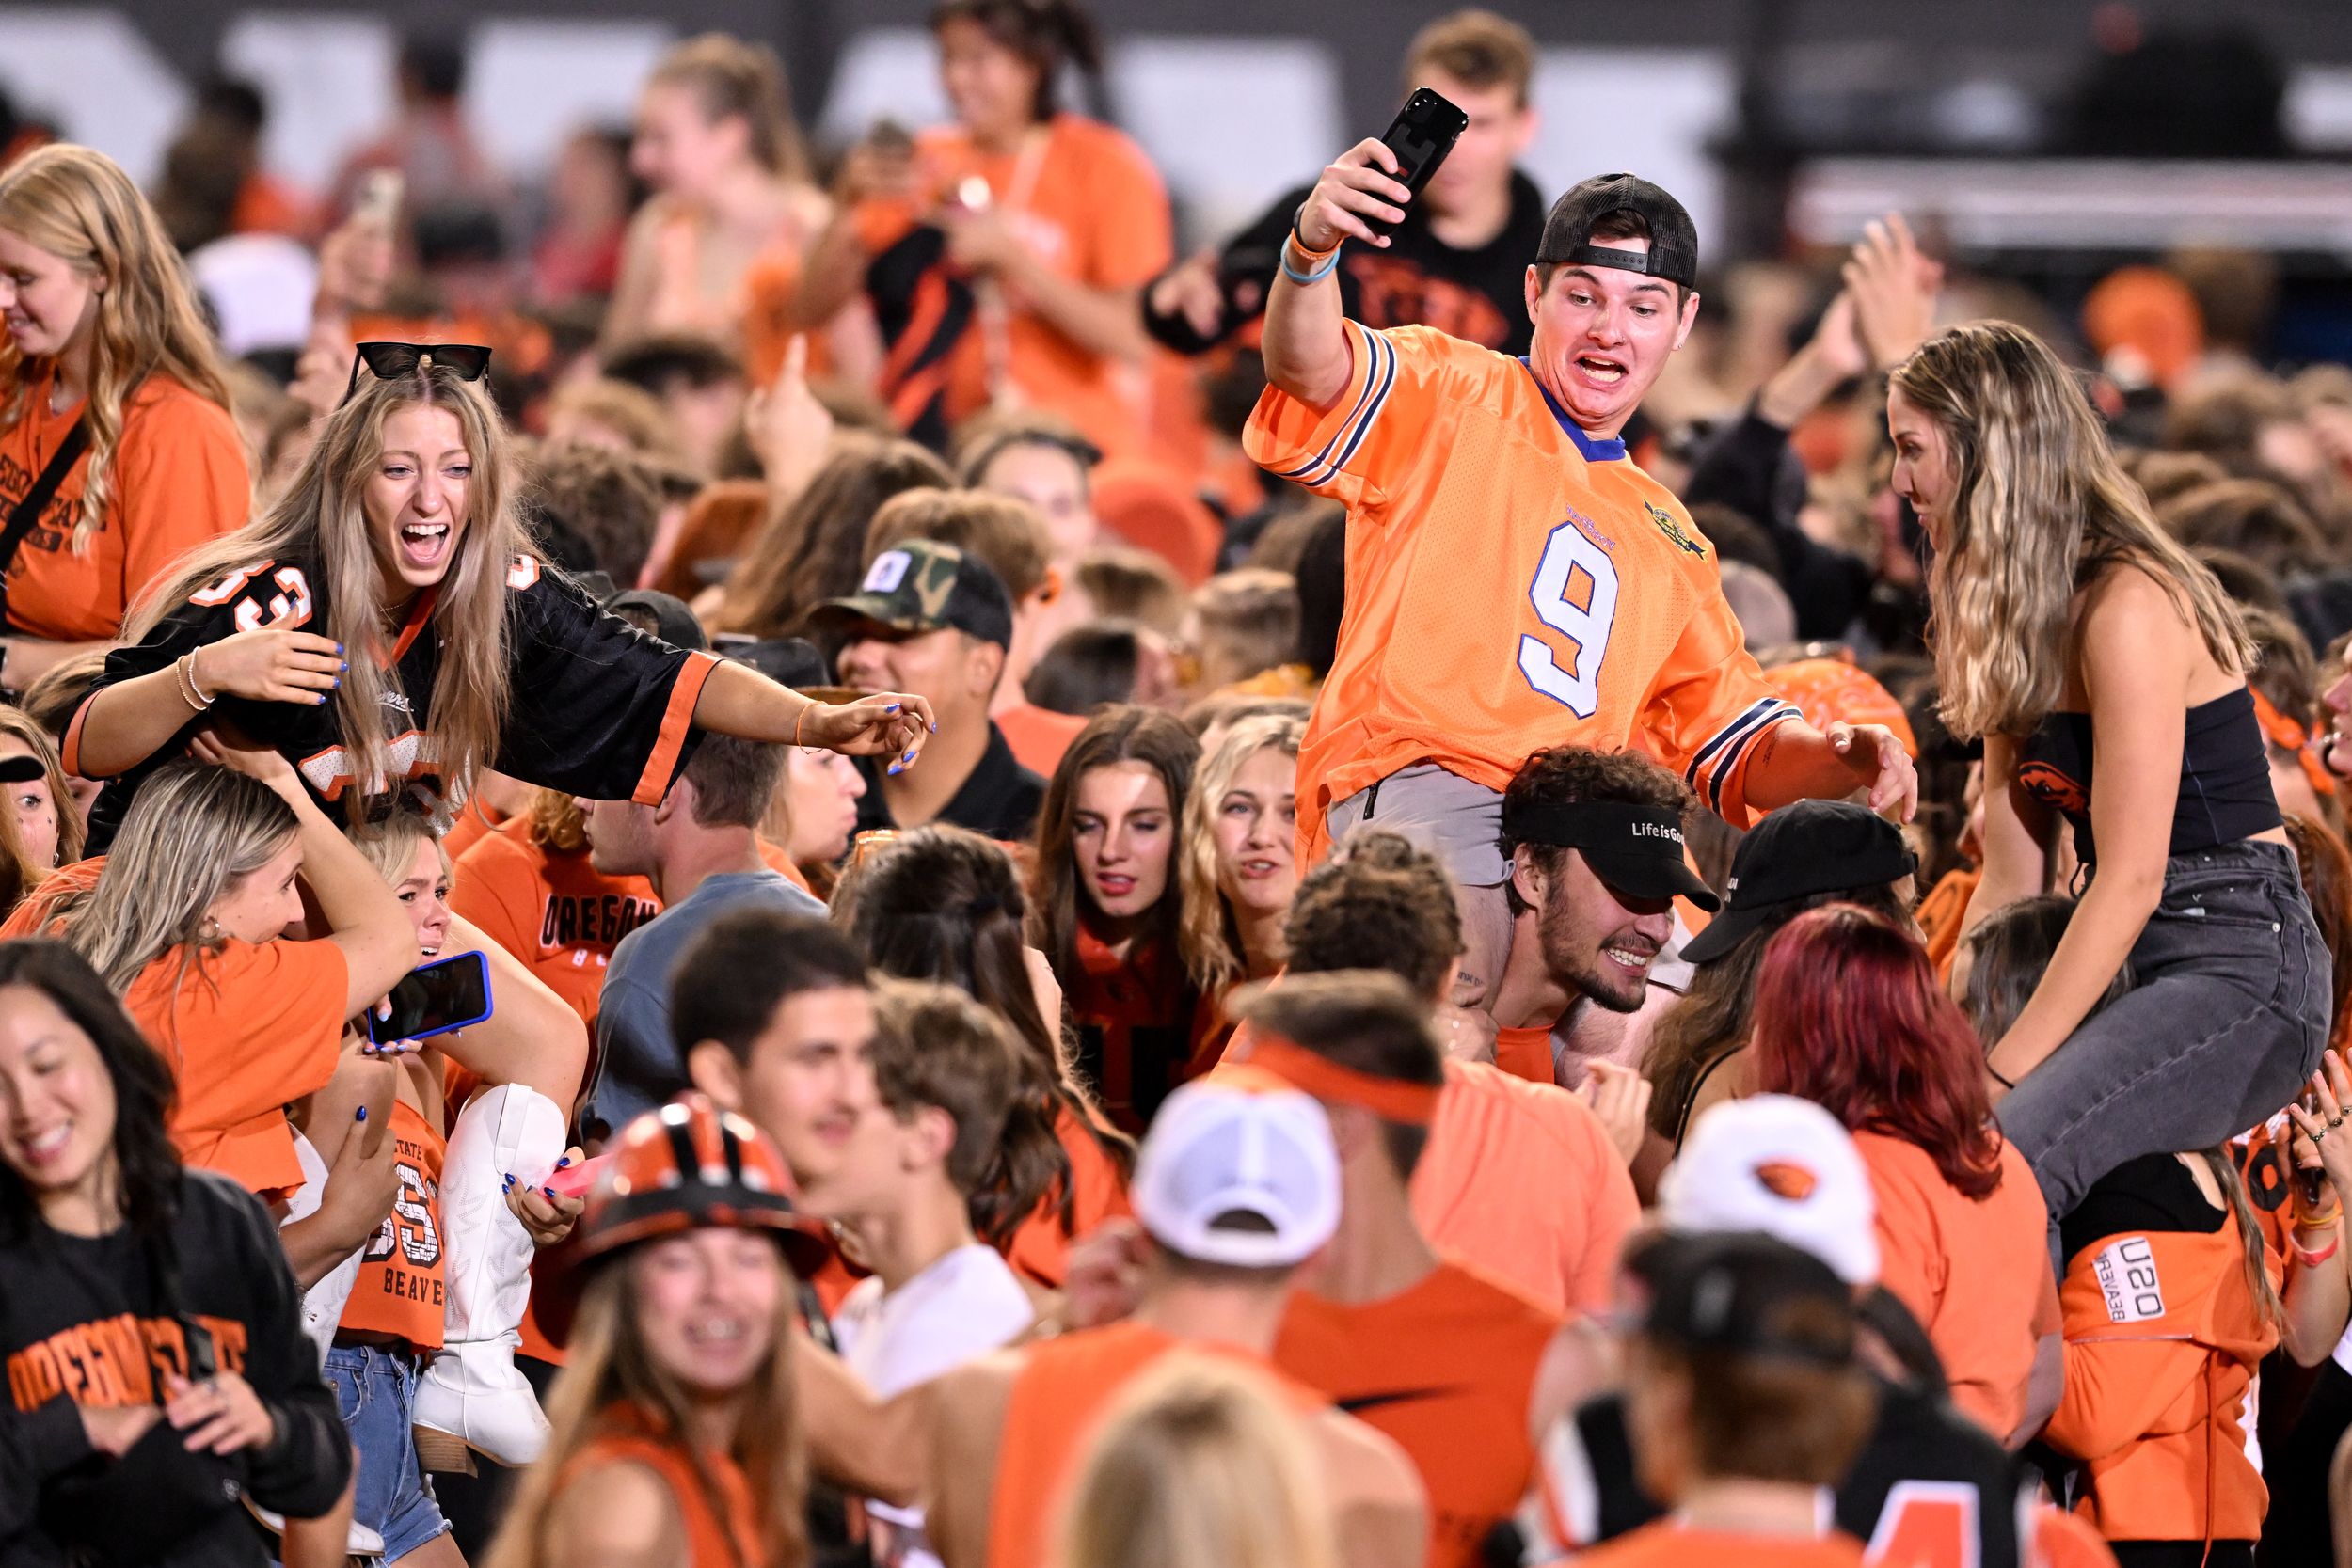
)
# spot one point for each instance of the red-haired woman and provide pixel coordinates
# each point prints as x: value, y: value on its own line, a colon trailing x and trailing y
x: 1849, y: 1015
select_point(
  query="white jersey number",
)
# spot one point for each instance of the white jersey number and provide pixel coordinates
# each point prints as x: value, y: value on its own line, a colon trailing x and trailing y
x: 1575, y: 594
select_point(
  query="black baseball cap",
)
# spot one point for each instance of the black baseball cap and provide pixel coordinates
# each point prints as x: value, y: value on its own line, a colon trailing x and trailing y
x: 1744, y: 1292
x: 1674, y: 239
x: 1799, y: 851
x: 673, y: 622
x: 1632, y: 848
x: 921, y: 585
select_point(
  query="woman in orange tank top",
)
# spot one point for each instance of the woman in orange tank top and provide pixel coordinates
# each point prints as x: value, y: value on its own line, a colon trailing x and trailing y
x: 675, y: 1425
x: 945, y: 904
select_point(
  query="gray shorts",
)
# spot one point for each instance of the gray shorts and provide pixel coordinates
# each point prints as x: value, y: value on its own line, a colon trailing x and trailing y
x: 1457, y: 821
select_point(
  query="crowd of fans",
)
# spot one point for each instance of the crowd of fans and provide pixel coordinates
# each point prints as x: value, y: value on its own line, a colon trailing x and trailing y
x: 1058, y: 991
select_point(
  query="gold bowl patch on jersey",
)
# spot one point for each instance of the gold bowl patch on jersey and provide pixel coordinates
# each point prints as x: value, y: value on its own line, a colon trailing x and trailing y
x: 1672, y: 529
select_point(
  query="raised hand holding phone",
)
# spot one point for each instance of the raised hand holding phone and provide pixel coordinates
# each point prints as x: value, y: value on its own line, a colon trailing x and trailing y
x: 1363, y: 192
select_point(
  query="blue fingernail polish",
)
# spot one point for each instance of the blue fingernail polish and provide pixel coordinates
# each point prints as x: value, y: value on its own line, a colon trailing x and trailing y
x: 344, y: 665
x: 891, y: 708
x: 510, y: 1179
x: 934, y: 726
x: 339, y: 647
x: 551, y: 1191
x: 362, y: 1116
x: 893, y: 769
x: 565, y: 1160
x: 319, y: 699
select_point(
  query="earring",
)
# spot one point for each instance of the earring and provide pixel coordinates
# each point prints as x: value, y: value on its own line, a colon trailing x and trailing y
x: 207, y: 932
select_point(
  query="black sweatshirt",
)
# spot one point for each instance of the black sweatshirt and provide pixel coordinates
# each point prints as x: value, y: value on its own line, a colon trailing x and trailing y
x: 80, y: 1320
x: 1747, y: 466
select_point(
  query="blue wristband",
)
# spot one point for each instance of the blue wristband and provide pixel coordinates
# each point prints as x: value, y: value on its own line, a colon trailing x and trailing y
x: 1322, y: 272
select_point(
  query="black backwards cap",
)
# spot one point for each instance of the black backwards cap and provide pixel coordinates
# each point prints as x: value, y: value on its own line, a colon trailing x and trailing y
x: 1674, y: 239
x: 1632, y: 848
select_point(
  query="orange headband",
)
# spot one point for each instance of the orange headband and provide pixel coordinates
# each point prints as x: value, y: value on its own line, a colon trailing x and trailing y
x: 2282, y: 731
x: 1388, y: 1098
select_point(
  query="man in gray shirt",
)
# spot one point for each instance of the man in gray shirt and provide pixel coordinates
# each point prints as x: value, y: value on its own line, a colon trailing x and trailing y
x: 701, y: 848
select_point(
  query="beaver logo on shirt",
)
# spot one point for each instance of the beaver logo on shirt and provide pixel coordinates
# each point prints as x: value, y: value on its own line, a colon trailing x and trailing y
x: 1784, y: 1179
x: 2045, y: 784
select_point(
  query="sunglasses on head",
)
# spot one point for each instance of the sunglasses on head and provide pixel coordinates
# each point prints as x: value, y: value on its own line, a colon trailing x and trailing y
x: 388, y: 361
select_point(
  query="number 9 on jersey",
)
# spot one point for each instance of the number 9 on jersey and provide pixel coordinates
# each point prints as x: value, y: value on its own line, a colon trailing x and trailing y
x: 1575, y: 594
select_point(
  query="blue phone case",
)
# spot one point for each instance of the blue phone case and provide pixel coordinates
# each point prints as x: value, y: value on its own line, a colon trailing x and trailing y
x: 489, y: 1006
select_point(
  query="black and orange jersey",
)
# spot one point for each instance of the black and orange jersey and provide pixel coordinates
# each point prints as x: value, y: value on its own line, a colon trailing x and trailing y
x: 594, y: 707
x: 1476, y: 293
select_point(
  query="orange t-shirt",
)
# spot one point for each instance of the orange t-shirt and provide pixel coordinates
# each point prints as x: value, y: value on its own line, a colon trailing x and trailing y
x: 1447, y: 1368
x: 627, y: 1434
x: 556, y: 913
x: 32, y: 914
x: 1090, y: 207
x: 399, y: 1291
x: 1512, y: 584
x: 245, y: 1030
x: 1976, y: 1272
x: 179, y: 481
x: 1526, y: 1052
x: 1667, y: 1545
x: 1039, y: 736
x: 1059, y: 1397
x: 1520, y: 1181
x: 1940, y: 915
x: 1040, y: 1248
x: 473, y: 824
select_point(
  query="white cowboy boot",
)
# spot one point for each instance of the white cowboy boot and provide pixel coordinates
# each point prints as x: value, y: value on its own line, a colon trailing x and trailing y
x: 472, y: 1397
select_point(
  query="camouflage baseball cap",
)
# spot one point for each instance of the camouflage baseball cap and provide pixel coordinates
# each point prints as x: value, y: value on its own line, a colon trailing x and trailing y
x: 919, y: 586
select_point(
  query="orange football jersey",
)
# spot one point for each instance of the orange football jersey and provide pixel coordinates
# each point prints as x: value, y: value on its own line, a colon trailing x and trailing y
x: 1512, y: 584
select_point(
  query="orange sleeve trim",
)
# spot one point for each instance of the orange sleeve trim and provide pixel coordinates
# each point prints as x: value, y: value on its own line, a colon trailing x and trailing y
x: 71, y: 753
x: 661, y: 766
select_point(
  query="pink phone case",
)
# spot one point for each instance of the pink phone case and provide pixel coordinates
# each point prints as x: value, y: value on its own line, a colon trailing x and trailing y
x: 575, y: 1180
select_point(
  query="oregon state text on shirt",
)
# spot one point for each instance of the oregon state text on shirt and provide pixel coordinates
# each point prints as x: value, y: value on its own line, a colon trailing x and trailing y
x: 114, y: 1361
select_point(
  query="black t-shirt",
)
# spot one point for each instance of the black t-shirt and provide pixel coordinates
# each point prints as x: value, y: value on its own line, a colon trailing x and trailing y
x: 1922, y: 1462
x: 999, y: 798
x: 83, y: 1321
x: 594, y: 707
x: 1476, y: 295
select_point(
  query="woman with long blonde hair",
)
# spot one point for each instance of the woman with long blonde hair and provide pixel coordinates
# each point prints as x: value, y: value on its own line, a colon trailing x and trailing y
x: 1237, y: 863
x: 1198, y: 1466
x: 672, y: 1441
x: 436, y: 645
x: 2106, y: 673
x: 113, y: 390
x: 184, y: 924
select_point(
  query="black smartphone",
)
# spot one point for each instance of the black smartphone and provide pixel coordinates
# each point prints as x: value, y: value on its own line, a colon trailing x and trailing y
x: 1424, y: 132
x: 2311, y: 1184
x: 433, y: 999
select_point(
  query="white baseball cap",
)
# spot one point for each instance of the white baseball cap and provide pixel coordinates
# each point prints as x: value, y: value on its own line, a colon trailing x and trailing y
x: 1783, y: 1167
x: 1237, y: 1174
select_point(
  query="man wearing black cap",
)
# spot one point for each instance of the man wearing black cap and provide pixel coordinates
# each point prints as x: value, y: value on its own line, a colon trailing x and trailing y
x: 931, y: 619
x: 1514, y: 580
x: 1744, y: 1400
x: 1593, y: 844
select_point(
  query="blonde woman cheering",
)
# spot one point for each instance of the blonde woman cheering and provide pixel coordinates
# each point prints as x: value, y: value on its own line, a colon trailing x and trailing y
x: 384, y: 629
x: 118, y: 454
x: 2106, y: 673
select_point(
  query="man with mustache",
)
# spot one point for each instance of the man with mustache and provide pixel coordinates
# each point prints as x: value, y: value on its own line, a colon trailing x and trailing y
x: 1593, y: 844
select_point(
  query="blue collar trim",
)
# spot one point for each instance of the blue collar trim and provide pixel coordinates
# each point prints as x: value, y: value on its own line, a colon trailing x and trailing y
x: 1595, y: 449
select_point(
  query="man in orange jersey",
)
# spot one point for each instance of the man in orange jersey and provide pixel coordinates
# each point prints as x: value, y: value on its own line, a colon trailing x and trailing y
x: 1519, y: 1179
x: 1237, y: 1186
x: 1744, y: 1398
x: 1592, y: 842
x: 1465, y: 1374
x: 1512, y: 580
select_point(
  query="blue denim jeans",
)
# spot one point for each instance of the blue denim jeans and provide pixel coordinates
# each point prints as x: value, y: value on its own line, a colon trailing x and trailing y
x: 376, y: 1389
x: 2226, y: 1017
